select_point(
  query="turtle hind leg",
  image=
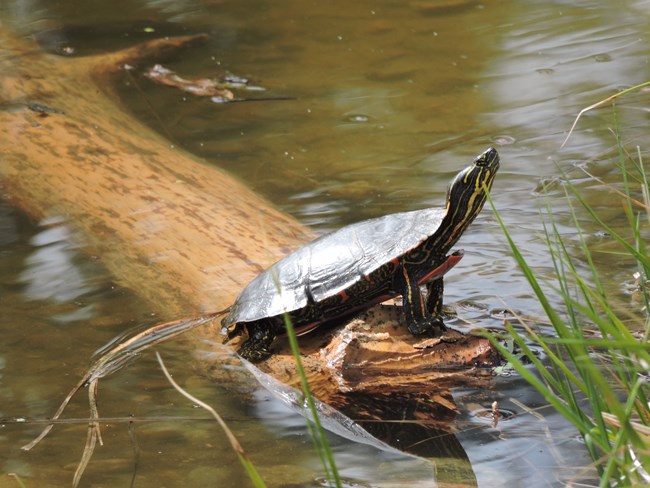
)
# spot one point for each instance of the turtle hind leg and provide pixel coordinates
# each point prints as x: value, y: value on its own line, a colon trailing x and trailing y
x: 435, y: 291
x: 258, y: 345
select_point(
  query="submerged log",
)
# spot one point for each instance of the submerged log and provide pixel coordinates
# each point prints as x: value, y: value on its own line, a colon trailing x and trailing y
x: 186, y: 236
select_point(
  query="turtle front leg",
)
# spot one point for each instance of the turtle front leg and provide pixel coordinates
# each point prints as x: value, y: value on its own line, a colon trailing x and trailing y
x: 419, y: 319
x: 435, y: 291
x: 258, y: 345
x: 434, y: 304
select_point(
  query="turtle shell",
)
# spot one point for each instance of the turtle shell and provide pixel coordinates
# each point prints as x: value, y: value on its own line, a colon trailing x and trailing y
x: 332, y: 263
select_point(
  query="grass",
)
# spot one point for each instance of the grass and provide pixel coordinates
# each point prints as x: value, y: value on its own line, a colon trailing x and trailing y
x: 243, y: 457
x: 596, y: 372
x: 317, y: 431
x: 19, y: 482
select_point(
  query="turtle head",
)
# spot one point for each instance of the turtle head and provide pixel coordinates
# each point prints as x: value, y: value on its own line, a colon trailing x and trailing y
x: 466, y: 195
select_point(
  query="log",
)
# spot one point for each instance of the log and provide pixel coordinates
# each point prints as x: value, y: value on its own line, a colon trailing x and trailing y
x: 186, y: 236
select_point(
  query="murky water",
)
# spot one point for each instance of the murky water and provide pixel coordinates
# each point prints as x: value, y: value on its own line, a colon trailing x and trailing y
x: 386, y: 102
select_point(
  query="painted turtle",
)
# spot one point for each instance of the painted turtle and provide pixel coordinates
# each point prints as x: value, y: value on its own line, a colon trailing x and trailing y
x: 343, y: 273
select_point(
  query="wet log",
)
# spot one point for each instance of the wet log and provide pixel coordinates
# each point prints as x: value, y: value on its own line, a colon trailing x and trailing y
x: 182, y: 234
x: 186, y: 237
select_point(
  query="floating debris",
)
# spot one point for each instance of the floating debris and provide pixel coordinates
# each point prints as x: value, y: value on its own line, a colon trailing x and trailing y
x: 42, y: 110
x: 218, y: 89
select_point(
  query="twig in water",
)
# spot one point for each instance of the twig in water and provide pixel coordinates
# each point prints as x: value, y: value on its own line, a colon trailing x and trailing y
x: 118, y: 356
x: 495, y: 414
x: 239, y: 450
x: 136, y: 452
x: 600, y: 104
x: 18, y: 480
x: 124, y: 352
x: 93, y: 436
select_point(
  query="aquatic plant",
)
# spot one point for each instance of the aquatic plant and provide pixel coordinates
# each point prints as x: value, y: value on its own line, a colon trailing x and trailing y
x: 596, y: 372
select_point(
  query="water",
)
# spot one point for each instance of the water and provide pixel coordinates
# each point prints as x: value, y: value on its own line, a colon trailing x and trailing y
x: 388, y: 102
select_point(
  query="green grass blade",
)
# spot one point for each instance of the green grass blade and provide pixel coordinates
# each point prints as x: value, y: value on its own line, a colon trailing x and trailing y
x: 320, y: 435
x: 596, y: 370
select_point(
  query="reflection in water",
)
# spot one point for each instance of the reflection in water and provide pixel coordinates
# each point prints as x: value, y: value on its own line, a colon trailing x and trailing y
x: 8, y: 228
x: 51, y: 273
x: 392, y: 467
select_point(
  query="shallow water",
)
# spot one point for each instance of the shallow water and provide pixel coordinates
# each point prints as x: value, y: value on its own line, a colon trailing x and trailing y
x: 387, y: 102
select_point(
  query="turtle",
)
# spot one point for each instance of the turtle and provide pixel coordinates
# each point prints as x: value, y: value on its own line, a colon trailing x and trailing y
x: 339, y: 275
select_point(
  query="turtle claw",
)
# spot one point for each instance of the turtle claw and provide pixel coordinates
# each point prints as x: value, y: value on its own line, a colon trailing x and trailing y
x: 427, y: 327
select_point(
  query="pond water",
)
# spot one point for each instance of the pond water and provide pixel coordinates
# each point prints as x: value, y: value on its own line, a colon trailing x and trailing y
x: 377, y: 105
